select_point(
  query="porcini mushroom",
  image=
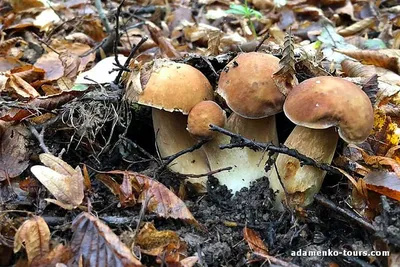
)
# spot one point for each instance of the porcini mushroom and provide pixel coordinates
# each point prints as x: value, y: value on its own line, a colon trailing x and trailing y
x: 247, y: 87
x: 317, y: 106
x: 172, y: 90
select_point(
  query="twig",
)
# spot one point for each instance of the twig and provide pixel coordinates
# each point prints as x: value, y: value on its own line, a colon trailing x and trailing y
x: 274, y: 260
x: 40, y: 138
x: 345, y: 212
x: 208, y: 173
x: 240, y: 141
x: 262, y: 42
x: 150, y: 156
x: 103, y: 16
x: 130, y: 56
x: 169, y: 159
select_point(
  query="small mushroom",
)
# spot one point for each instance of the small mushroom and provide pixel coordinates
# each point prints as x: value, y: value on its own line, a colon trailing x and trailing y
x: 247, y: 87
x: 172, y: 90
x: 317, y: 106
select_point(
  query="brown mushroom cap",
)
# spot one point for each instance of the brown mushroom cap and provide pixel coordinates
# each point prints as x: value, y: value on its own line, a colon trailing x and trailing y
x: 201, y: 116
x: 323, y: 102
x: 170, y: 86
x: 247, y: 86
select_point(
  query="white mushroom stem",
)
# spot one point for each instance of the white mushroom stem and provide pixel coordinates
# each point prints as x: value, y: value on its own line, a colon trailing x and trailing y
x: 247, y: 165
x: 172, y: 137
x: 302, y: 183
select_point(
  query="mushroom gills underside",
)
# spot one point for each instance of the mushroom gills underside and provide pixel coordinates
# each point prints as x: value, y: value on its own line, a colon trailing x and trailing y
x: 302, y: 183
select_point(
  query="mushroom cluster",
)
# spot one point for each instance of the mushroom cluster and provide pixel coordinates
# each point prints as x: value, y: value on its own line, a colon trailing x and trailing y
x: 182, y: 100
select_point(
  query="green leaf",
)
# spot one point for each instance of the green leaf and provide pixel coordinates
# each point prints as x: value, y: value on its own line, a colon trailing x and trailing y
x: 79, y: 87
x: 375, y: 44
x: 256, y: 13
x: 235, y: 12
x: 238, y: 8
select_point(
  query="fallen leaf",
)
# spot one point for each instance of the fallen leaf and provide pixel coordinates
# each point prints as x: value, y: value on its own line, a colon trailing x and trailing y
x: 95, y: 242
x: 285, y: 77
x: 36, y: 106
x: 59, y: 255
x: 254, y: 241
x: 385, y: 183
x: 160, y: 243
x: 65, y: 183
x: 34, y: 234
x: 374, y: 57
x: 13, y: 150
x: 357, y: 27
x: 163, y: 201
x: 17, y: 85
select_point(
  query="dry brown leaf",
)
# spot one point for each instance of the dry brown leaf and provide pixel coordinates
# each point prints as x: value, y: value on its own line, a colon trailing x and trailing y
x: 71, y: 63
x: 29, y: 73
x: 59, y: 255
x: 21, y: 5
x: 165, y: 45
x: 163, y: 202
x: 254, y: 241
x: 5, y: 46
x: 9, y: 63
x: 356, y: 69
x: 37, y: 106
x: 20, y: 87
x: 56, y: 164
x: 357, y: 27
x: 285, y: 77
x: 52, y: 65
x: 378, y: 161
x: 65, y: 183
x: 34, y: 235
x: 160, y: 243
x: 95, y: 242
x: 65, y: 84
x: 385, y: 183
x: 374, y: 57
x: 126, y: 197
x: 14, y: 158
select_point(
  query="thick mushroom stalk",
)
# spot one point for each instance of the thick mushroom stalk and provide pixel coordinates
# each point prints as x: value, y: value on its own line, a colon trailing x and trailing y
x: 318, y: 105
x: 171, y: 89
x: 246, y: 165
x: 301, y: 183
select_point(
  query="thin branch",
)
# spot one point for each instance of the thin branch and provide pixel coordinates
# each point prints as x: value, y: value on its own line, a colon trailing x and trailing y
x: 208, y: 173
x: 344, y: 212
x: 240, y: 141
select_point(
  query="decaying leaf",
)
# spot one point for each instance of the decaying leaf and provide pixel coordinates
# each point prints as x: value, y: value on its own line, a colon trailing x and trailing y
x: 357, y: 27
x: 254, y: 241
x: 36, y: 106
x: 95, y: 242
x: 374, y: 57
x: 163, y: 201
x: 20, y: 87
x: 64, y: 182
x: 13, y: 150
x: 71, y: 63
x: 285, y: 77
x: 357, y: 69
x: 34, y: 234
x: 59, y: 255
x: 165, y: 243
x: 385, y: 183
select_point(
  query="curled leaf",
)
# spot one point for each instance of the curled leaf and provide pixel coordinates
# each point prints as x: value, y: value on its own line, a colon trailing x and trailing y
x: 93, y: 242
x: 34, y: 234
